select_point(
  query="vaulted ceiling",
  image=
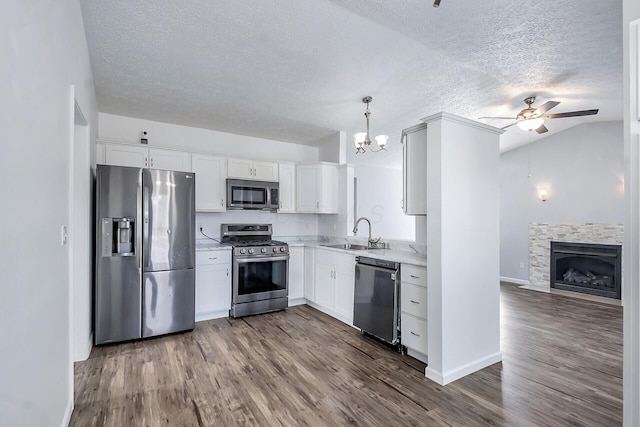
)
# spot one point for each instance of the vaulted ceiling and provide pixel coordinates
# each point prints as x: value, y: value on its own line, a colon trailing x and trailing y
x: 296, y: 71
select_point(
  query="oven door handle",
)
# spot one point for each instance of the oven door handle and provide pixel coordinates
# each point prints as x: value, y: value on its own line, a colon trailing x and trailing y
x: 260, y: 258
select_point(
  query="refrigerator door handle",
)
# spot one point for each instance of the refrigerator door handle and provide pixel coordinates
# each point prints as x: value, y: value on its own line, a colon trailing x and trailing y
x: 138, y: 231
x: 146, y: 237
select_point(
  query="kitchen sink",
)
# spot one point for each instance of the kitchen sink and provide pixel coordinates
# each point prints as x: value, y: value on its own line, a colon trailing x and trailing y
x: 353, y: 247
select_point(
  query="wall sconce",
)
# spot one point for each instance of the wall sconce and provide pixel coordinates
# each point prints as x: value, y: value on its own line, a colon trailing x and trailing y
x: 543, y: 194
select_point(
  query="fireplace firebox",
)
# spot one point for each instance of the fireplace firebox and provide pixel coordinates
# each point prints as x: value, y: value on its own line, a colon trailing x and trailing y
x: 587, y: 268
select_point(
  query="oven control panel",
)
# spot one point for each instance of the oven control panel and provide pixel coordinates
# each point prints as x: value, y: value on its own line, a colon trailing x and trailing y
x: 261, y: 250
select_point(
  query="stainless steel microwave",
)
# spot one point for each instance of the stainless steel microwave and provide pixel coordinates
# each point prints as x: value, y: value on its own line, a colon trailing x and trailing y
x: 246, y: 194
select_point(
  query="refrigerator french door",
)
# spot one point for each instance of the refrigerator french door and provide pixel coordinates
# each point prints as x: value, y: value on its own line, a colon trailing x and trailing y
x: 145, y: 258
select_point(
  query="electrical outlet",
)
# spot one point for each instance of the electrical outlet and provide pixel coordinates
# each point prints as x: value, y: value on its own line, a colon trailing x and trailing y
x: 522, y: 265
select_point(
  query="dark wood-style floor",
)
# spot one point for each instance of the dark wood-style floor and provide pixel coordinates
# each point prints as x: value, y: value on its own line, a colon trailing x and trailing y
x: 562, y: 365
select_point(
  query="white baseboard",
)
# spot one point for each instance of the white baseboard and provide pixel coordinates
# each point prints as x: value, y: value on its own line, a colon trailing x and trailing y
x: 297, y: 301
x: 209, y: 315
x: 87, y: 350
x: 514, y: 280
x: 455, y: 374
x: 67, y: 413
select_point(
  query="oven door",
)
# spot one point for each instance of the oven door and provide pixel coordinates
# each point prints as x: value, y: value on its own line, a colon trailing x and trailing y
x: 243, y: 194
x: 260, y: 278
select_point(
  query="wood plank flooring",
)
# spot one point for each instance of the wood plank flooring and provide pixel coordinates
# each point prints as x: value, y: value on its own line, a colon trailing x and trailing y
x: 562, y: 365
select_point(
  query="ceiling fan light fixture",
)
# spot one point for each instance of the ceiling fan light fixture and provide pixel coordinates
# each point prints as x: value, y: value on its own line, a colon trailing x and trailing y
x: 531, y: 124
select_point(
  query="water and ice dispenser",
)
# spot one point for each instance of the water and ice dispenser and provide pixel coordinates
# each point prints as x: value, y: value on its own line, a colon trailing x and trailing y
x: 118, y: 237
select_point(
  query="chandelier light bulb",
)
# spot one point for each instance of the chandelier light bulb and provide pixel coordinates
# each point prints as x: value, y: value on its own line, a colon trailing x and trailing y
x: 530, y: 124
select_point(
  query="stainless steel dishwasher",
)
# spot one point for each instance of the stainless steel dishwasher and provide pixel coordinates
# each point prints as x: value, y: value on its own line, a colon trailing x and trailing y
x: 375, y: 307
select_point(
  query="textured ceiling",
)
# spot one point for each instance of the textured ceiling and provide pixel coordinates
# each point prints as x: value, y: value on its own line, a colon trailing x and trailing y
x: 296, y: 71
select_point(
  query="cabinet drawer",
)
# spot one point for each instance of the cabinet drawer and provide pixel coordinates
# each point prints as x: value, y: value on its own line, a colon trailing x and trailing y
x: 213, y: 257
x: 413, y: 274
x: 414, y: 333
x: 413, y: 300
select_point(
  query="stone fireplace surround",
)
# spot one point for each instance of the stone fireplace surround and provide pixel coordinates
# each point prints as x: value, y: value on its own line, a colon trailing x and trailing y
x: 542, y: 233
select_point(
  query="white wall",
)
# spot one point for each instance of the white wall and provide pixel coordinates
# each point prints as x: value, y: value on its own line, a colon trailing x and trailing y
x: 583, y: 169
x: 631, y: 293
x: 332, y: 149
x: 43, y: 52
x: 129, y: 130
x: 379, y: 198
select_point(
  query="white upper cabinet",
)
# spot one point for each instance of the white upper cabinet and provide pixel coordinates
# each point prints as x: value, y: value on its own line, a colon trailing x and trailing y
x: 144, y: 157
x: 414, y: 150
x: 317, y: 188
x: 169, y: 160
x: 126, y: 155
x: 211, y: 195
x: 252, y: 169
x: 287, y: 188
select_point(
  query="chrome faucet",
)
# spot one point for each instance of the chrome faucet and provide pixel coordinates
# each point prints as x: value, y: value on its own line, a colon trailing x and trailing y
x: 370, y: 242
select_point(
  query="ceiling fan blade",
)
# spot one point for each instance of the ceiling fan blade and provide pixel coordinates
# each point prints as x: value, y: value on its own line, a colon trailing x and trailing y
x: 542, y: 129
x: 571, y: 114
x: 546, y: 107
x: 508, y: 126
x: 503, y: 118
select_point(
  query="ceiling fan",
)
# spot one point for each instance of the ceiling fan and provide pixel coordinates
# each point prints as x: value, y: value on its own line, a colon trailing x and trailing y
x: 533, y: 118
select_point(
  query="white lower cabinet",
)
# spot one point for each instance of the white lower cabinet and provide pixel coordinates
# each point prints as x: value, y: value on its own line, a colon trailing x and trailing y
x: 213, y: 284
x: 334, y: 275
x: 309, y: 273
x: 296, y: 275
x: 413, y: 306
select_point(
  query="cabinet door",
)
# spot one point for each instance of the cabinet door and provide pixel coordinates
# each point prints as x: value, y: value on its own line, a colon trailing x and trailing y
x: 265, y: 171
x: 327, y: 185
x: 169, y: 160
x: 287, y: 178
x: 126, y: 155
x: 307, y: 188
x: 309, y: 274
x: 213, y: 290
x: 211, y: 186
x: 239, y: 168
x: 343, y: 293
x: 296, y: 273
x: 324, y: 284
x: 415, y: 173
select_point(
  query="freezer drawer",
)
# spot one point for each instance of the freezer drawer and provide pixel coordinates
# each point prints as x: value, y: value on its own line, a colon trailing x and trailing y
x: 169, y: 302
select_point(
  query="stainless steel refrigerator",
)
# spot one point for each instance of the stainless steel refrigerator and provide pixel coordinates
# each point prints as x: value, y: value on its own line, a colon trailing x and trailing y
x: 145, y: 253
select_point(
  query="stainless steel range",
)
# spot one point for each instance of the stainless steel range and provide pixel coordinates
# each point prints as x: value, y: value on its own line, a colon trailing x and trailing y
x: 260, y: 269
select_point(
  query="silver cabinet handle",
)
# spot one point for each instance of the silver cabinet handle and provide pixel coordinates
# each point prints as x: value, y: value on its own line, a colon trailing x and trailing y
x: 415, y: 302
x: 217, y: 258
x: 318, y: 205
x: 221, y: 202
x: 413, y: 333
x: 227, y: 272
x: 146, y: 162
x: 415, y: 277
x: 402, y: 204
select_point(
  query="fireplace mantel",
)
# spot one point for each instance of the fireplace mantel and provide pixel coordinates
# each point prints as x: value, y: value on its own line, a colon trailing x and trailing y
x: 542, y: 233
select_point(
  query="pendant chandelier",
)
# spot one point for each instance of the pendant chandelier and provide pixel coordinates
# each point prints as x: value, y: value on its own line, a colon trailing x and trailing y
x: 362, y: 139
